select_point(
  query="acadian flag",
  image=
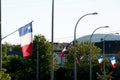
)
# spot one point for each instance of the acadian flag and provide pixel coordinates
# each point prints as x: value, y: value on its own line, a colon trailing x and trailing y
x: 64, y: 51
x: 79, y: 58
x: 25, y: 34
x: 113, y: 62
x: 100, y: 60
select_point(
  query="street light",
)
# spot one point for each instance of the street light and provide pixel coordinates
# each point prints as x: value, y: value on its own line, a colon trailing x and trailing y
x: 104, y: 53
x: 91, y: 50
x: 75, y: 71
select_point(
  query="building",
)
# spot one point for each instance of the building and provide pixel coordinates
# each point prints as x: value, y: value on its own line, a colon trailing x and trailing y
x: 109, y: 42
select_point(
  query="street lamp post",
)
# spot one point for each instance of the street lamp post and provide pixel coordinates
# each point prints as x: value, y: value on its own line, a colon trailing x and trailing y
x: 91, y: 50
x: 104, y: 53
x: 75, y: 69
x: 52, y: 42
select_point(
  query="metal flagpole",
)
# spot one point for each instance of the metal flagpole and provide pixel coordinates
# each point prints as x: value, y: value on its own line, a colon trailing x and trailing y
x: 9, y: 34
x: 0, y: 40
x: 37, y: 74
x: 12, y: 32
x: 52, y: 44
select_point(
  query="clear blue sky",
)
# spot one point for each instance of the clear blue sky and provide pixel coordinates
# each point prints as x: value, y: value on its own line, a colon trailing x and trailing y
x: 17, y: 13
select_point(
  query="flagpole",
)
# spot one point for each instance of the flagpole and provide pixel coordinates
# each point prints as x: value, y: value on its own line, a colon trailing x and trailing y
x: 52, y: 44
x: 61, y: 60
x: 9, y: 34
x: 37, y: 68
x: 0, y: 41
x: 12, y: 32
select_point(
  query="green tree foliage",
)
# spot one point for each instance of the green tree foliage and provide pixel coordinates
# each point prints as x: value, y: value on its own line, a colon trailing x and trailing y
x: 14, y: 66
x: 44, y: 55
x: 4, y: 76
x: 21, y: 68
x: 102, y: 77
x: 83, y: 49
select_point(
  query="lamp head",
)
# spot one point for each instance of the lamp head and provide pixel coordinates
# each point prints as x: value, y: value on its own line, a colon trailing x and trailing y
x: 106, y: 26
x: 116, y: 33
x: 95, y: 13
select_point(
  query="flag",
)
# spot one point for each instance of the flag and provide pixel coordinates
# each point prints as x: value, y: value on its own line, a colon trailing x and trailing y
x: 100, y: 60
x: 113, y: 62
x: 25, y: 34
x: 79, y: 58
x: 64, y: 51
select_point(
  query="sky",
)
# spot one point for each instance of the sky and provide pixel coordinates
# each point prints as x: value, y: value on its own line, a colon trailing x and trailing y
x: 17, y: 13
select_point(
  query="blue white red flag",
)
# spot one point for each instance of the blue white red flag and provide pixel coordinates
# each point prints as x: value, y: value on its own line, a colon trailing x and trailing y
x: 113, y: 62
x: 25, y: 34
x: 64, y: 51
x: 79, y: 58
x: 100, y: 60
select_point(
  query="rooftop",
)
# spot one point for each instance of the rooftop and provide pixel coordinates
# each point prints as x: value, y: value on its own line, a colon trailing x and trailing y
x: 98, y: 37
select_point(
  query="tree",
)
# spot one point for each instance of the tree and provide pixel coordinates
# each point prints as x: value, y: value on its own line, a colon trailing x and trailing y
x: 21, y: 68
x: 44, y: 55
x: 83, y: 49
x: 4, y: 76
x: 101, y: 77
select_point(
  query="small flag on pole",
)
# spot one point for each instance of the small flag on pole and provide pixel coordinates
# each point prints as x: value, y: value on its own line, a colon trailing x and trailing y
x: 79, y: 58
x: 113, y: 62
x: 64, y: 51
x: 100, y: 60
x: 25, y: 34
